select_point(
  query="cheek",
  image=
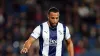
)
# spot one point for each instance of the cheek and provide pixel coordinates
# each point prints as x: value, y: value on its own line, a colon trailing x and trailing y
x: 51, y: 20
x: 57, y: 19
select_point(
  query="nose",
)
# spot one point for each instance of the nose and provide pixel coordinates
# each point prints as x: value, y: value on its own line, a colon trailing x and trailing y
x: 55, y: 20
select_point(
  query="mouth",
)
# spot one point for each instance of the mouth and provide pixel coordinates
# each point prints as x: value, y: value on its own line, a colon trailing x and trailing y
x: 54, y: 24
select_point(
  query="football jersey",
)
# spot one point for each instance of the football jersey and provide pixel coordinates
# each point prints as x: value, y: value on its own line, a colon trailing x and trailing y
x: 51, y: 39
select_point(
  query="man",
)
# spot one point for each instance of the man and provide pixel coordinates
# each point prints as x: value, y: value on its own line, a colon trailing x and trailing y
x: 51, y: 35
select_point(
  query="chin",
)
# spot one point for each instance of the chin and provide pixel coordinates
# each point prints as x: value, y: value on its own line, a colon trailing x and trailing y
x: 54, y: 25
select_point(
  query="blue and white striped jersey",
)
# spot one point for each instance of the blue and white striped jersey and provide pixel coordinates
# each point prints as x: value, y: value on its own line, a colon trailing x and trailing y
x: 51, y: 40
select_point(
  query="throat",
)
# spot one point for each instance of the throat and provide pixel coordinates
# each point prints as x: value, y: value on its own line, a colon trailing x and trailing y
x: 53, y: 27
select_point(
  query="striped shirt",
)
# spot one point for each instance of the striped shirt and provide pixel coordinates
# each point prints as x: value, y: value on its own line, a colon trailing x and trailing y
x: 51, y: 39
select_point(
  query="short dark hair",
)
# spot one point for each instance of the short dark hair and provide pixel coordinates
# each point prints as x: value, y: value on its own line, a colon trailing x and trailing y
x: 53, y: 9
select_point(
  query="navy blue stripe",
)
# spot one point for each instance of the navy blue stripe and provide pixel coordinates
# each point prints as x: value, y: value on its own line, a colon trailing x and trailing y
x: 41, y: 41
x: 62, y: 53
x: 63, y: 45
x: 52, y: 42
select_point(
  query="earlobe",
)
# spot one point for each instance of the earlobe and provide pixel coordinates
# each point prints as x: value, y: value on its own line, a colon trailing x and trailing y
x: 48, y: 17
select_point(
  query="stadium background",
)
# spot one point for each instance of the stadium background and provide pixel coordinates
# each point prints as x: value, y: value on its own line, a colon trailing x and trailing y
x: 18, y: 18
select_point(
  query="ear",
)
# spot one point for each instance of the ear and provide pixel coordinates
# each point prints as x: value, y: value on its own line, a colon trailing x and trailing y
x: 47, y: 16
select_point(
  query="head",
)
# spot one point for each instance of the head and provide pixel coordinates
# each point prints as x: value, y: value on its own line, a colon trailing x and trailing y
x: 53, y: 16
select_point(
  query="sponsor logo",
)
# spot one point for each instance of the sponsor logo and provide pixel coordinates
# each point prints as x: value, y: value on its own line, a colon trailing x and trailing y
x: 52, y: 42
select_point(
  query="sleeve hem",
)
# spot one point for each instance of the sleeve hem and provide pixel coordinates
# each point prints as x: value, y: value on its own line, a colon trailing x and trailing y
x: 33, y: 37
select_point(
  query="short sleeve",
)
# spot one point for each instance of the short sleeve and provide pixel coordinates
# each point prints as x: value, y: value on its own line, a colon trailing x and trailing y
x: 36, y: 32
x: 67, y: 36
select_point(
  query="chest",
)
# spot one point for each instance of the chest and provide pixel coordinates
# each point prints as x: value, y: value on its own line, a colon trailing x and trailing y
x: 53, y: 35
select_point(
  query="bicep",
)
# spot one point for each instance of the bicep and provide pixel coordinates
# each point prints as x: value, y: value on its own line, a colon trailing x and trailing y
x: 69, y: 41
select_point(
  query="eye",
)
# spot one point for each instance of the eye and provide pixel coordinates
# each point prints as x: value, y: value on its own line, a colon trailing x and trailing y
x: 57, y: 18
x: 52, y: 17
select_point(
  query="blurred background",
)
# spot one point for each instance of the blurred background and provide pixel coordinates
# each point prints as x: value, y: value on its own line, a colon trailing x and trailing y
x: 18, y: 18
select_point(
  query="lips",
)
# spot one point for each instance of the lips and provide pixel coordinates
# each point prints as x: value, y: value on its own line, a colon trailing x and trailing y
x: 54, y: 24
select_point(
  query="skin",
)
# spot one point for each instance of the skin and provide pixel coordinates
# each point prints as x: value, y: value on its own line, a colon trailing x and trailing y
x: 53, y: 19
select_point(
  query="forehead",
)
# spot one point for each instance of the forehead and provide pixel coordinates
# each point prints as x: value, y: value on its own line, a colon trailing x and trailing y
x: 54, y: 14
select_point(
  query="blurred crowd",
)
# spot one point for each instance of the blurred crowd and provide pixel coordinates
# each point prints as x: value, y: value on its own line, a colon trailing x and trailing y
x: 18, y: 18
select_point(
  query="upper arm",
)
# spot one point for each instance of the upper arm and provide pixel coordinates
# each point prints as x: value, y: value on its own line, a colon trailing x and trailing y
x: 36, y: 32
x: 69, y: 41
x: 67, y: 34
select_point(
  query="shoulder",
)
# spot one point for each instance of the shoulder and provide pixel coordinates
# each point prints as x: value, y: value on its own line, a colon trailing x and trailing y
x: 44, y: 23
x: 61, y: 24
